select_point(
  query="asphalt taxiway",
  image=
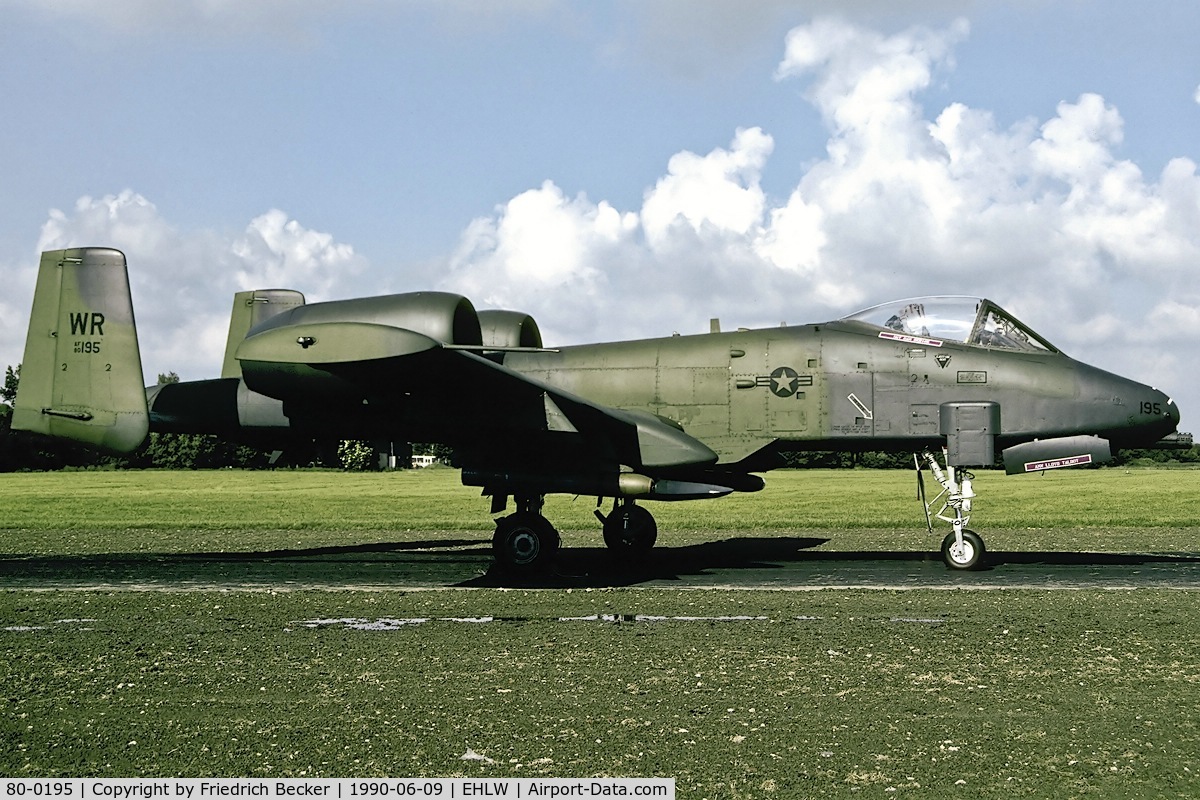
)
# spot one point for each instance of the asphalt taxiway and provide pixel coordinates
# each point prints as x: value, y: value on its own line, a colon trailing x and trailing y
x: 450, y: 561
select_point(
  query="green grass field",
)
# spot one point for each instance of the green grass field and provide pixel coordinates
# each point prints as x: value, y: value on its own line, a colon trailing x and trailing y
x: 81, y: 512
x: 733, y: 693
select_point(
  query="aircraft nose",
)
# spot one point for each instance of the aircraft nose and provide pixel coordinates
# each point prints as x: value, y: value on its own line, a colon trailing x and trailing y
x: 1172, y: 412
x: 1134, y: 414
x: 1161, y: 413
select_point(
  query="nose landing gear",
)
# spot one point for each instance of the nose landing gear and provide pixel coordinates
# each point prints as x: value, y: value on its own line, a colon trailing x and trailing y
x: 962, y: 548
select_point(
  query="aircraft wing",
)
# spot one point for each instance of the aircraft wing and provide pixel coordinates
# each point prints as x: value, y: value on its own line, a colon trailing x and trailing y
x: 399, y: 380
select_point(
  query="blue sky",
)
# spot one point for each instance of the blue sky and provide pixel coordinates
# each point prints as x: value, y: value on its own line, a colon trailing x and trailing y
x: 617, y: 169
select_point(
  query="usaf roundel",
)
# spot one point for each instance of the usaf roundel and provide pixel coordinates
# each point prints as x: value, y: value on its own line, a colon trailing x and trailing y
x: 784, y: 382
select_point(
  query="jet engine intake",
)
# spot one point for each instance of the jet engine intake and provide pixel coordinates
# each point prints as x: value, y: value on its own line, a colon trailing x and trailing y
x: 444, y: 317
x: 509, y: 330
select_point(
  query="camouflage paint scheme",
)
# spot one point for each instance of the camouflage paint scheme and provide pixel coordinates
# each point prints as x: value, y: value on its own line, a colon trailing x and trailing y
x: 681, y: 417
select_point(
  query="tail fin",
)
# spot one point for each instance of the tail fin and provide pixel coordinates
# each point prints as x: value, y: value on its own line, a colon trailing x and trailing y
x: 82, y: 374
x: 249, y: 309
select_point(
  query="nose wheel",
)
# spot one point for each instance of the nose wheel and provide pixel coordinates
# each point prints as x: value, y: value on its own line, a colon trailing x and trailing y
x: 962, y: 548
x: 966, y: 553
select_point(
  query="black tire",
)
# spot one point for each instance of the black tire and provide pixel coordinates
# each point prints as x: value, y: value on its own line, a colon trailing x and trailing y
x: 970, y: 556
x: 524, y: 541
x: 630, y: 529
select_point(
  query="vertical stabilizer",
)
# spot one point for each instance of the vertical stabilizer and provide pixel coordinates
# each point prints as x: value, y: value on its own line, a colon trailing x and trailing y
x: 81, y: 377
x: 250, y: 309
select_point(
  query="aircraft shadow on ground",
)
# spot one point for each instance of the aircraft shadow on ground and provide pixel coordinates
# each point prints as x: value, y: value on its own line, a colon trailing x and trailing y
x: 447, y: 562
x: 596, y: 567
x: 383, y: 562
x: 468, y: 563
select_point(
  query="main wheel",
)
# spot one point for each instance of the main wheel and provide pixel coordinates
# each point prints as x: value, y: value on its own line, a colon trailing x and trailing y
x: 630, y: 529
x: 969, y: 555
x: 524, y: 541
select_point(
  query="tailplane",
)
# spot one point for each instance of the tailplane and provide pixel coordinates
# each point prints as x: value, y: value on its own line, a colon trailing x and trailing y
x: 251, y: 309
x: 81, y: 378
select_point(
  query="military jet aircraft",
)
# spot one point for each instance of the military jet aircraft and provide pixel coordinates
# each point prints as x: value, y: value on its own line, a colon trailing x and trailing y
x: 951, y: 379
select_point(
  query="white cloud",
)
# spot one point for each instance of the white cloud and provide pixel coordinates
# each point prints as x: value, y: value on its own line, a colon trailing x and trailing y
x: 543, y: 251
x: 1075, y: 145
x: 125, y: 220
x: 182, y: 282
x: 1042, y: 216
x: 714, y: 194
x: 277, y: 252
x: 14, y: 310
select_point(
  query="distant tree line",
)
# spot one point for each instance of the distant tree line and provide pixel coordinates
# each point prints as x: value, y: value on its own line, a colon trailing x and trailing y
x: 881, y: 460
x: 20, y: 450
x: 24, y: 451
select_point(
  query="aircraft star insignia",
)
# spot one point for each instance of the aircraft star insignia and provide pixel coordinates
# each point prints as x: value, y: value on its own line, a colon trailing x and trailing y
x: 784, y: 382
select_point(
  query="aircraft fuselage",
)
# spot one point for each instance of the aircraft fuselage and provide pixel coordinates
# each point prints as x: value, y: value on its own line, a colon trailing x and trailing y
x: 840, y: 386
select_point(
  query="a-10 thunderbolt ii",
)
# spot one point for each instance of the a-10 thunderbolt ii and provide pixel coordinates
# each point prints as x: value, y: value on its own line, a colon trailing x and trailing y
x: 954, y: 380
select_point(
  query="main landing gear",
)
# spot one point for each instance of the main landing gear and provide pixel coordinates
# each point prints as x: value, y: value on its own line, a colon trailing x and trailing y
x: 526, y: 541
x: 629, y: 529
x: 962, y: 548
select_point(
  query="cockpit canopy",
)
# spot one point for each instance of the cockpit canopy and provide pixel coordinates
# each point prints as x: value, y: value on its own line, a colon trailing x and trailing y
x: 969, y: 320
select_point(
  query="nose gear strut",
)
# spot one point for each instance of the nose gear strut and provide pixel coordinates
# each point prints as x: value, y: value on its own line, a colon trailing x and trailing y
x: 962, y: 548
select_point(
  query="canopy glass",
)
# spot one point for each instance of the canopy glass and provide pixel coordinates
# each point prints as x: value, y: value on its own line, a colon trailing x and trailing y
x: 969, y: 320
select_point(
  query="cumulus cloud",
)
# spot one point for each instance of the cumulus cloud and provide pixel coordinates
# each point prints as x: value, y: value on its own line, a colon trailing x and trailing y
x: 587, y: 267
x: 279, y: 252
x: 14, y: 310
x: 545, y: 252
x: 717, y: 194
x: 183, y: 281
x: 1043, y: 216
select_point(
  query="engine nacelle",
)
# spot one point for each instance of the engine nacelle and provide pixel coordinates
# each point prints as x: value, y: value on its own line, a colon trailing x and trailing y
x: 505, y: 329
x: 287, y: 356
x: 448, y: 318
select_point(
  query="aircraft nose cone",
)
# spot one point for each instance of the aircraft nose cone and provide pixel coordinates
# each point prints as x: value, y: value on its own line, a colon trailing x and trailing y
x: 1161, y: 414
x: 1172, y: 413
x: 1128, y: 413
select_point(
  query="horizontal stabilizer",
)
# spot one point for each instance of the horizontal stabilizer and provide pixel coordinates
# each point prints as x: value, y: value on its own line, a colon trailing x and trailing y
x: 251, y: 309
x: 1044, y: 454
